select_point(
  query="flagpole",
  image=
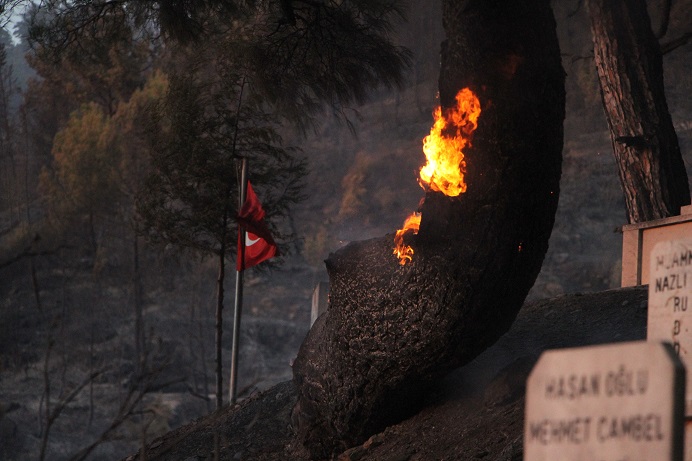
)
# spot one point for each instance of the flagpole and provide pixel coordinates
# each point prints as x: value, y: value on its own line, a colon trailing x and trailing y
x: 242, y: 189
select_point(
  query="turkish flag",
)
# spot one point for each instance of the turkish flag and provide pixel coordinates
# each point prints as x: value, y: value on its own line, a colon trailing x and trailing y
x: 259, y: 244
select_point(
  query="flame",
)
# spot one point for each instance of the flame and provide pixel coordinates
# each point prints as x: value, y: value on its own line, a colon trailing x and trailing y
x: 401, y: 250
x: 443, y: 147
x: 445, y: 165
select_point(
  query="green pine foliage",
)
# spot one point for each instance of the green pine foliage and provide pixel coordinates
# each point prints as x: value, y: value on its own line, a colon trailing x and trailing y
x: 196, y: 135
x: 300, y: 54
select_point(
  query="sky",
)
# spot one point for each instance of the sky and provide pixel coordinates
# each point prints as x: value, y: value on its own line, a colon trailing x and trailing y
x: 15, y: 17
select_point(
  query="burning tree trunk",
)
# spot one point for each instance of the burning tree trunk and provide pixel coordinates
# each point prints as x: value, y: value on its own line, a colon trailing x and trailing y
x: 630, y: 71
x: 391, y: 329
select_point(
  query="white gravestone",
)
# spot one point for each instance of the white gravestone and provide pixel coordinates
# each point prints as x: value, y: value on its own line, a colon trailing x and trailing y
x: 606, y: 403
x: 670, y: 313
x: 670, y: 301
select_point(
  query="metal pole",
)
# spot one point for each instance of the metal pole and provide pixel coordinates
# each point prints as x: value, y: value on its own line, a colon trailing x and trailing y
x: 242, y: 186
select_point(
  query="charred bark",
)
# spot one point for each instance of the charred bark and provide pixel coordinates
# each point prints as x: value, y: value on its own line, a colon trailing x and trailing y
x: 391, y: 330
x: 630, y: 71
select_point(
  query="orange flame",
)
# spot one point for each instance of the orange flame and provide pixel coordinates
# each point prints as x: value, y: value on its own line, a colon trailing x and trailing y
x: 401, y: 250
x: 443, y: 147
x: 445, y: 165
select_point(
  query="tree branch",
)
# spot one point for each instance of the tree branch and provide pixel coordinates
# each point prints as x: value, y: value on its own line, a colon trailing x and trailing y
x: 138, y: 389
x: 675, y: 43
x: 29, y: 253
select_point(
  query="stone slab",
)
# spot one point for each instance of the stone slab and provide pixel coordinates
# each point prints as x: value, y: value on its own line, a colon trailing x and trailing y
x: 320, y: 300
x: 670, y: 300
x: 606, y: 403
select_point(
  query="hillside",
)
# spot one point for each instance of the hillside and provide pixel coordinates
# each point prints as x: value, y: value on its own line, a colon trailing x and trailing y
x: 475, y: 413
x: 66, y: 317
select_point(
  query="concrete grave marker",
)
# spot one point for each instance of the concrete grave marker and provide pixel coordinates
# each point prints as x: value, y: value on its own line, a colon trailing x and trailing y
x: 606, y: 403
x: 670, y: 300
x: 320, y: 300
x: 670, y: 313
x: 639, y: 240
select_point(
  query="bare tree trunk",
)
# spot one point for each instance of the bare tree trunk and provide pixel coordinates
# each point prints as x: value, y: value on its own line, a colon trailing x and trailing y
x: 92, y: 356
x: 219, y: 324
x: 7, y: 140
x: 203, y: 353
x: 46, y: 420
x: 140, y: 347
x: 197, y: 348
x: 92, y: 236
x: 34, y: 283
x: 390, y: 330
x: 630, y: 71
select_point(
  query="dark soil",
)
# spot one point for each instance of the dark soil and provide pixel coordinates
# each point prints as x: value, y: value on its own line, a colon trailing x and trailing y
x: 476, y: 412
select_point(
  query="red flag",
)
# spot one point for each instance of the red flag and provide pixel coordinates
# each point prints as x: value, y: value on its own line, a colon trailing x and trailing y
x: 259, y: 244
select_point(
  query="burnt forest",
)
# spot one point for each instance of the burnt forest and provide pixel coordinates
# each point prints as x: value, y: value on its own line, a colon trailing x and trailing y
x: 119, y: 140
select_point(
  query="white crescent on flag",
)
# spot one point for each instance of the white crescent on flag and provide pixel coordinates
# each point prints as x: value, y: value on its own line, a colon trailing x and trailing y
x: 249, y: 241
x: 256, y: 248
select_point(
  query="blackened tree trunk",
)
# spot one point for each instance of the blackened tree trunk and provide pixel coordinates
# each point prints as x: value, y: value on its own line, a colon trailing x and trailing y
x: 219, y: 320
x: 391, y: 330
x: 137, y: 301
x: 630, y: 71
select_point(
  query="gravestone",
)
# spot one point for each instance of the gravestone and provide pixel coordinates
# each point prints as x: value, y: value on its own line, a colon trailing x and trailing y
x: 670, y: 300
x: 639, y: 239
x: 670, y: 310
x: 606, y: 403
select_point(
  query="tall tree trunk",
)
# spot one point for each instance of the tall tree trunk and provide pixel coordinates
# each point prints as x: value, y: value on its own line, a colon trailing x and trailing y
x: 391, y: 330
x: 92, y: 237
x: 140, y: 343
x: 630, y: 71
x: 219, y: 324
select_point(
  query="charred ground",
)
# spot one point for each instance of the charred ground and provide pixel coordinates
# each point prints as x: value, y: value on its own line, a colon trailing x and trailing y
x: 474, y: 413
